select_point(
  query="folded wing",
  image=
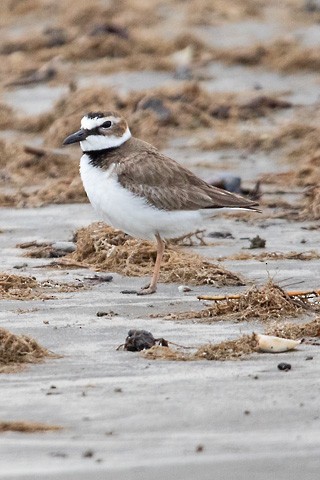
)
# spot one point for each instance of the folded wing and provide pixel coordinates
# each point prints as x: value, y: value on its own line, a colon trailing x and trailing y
x: 169, y: 186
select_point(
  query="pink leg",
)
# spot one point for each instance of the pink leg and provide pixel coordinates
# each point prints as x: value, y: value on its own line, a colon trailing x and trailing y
x: 152, y: 287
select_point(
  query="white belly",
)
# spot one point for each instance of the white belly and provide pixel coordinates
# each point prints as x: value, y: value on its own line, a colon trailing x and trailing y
x: 122, y: 209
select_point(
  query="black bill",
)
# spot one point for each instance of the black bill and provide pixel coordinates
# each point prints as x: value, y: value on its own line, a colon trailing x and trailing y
x: 76, y: 137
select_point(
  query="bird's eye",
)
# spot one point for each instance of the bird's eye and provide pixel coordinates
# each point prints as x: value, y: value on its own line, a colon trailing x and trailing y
x: 106, y: 124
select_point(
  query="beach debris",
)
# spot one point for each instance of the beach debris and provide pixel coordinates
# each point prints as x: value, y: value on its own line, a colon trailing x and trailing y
x: 138, y: 340
x: 38, y: 249
x: 257, y: 242
x: 44, y: 74
x: 109, y: 29
x: 285, y: 367
x: 184, y: 289
x: 99, y: 278
x: 157, y: 106
x: 264, y: 303
x: 199, y: 448
x: 16, y: 350
x: 252, y: 193
x: 228, y: 182
x: 88, y: 453
x: 27, y: 427
x: 182, y: 61
x: 221, y: 235
x: 232, y: 183
x: 18, y: 287
x: 295, y: 331
x: 298, y: 294
x: 228, y: 349
x: 311, y: 209
x: 272, y: 344
x: 103, y: 248
x: 109, y: 314
x: 190, y: 239
x: 157, y: 352
x: 241, y: 347
x: 260, y: 105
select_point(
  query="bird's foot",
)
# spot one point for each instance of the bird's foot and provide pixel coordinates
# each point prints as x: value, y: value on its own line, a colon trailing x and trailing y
x: 147, y: 290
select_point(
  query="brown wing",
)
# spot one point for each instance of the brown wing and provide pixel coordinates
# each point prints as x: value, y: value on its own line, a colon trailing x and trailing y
x: 168, y: 185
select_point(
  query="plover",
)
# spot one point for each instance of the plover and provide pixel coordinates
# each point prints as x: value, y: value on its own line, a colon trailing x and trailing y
x: 137, y: 189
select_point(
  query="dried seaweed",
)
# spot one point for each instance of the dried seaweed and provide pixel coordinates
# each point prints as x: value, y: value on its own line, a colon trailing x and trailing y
x: 295, y: 331
x: 16, y: 350
x: 226, y: 350
x: 311, y: 210
x: 237, y: 349
x: 282, y: 55
x: 27, y: 427
x: 105, y: 249
x: 157, y: 352
x: 264, y: 303
x: 18, y: 287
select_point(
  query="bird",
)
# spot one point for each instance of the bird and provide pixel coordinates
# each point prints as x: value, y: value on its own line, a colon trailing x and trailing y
x: 137, y: 189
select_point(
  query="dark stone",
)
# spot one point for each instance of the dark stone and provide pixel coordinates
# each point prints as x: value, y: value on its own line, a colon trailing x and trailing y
x: 284, y: 366
x: 257, y: 242
x: 138, y: 340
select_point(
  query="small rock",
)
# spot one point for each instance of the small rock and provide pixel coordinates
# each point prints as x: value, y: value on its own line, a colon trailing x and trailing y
x: 20, y: 265
x: 220, y: 235
x: 257, y: 242
x: 88, y: 454
x: 99, y: 278
x: 199, y: 448
x: 284, y: 366
x: 183, y: 72
x: 138, y: 340
x: 157, y: 106
x: 109, y: 314
x: 222, y: 112
x: 228, y: 182
x: 65, y: 247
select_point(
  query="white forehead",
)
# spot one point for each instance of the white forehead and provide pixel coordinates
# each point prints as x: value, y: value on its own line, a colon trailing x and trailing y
x: 91, y: 123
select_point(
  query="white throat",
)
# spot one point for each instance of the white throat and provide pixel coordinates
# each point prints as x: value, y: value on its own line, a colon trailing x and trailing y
x: 101, y: 142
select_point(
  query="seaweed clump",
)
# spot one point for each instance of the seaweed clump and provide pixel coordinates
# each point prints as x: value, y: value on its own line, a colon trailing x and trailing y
x: 106, y: 249
x: 16, y: 350
x: 263, y: 303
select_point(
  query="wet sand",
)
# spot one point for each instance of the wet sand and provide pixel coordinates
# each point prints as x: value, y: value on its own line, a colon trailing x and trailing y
x: 142, y: 417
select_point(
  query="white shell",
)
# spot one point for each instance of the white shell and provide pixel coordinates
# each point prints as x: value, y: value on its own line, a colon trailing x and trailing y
x: 270, y: 344
x: 184, y: 288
